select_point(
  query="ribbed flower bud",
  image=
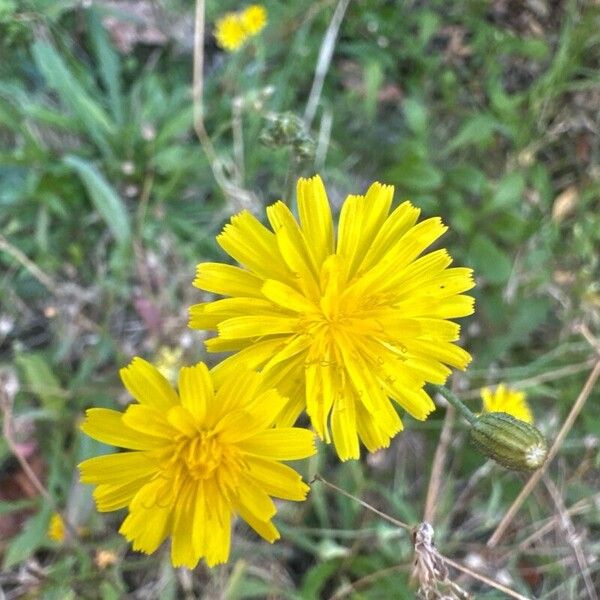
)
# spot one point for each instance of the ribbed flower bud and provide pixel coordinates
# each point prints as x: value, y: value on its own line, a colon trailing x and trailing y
x: 287, y: 129
x: 510, y: 442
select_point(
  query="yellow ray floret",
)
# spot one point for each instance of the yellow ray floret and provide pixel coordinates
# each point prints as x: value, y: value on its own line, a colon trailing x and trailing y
x: 197, y: 458
x: 340, y: 323
x: 56, y: 528
x: 235, y: 28
x: 507, y: 400
x: 230, y: 32
x: 254, y: 19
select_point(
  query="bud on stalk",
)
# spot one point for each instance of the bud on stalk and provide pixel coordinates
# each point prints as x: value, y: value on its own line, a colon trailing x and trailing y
x: 510, y: 442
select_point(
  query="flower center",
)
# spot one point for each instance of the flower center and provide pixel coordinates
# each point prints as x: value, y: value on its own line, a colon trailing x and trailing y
x: 201, y: 456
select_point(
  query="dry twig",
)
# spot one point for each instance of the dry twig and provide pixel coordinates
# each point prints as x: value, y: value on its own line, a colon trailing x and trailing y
x: 6, y: 406
x: 571, y: 536
x: 437, y: 467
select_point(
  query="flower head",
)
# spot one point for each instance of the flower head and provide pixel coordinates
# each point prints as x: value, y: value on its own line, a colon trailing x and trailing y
x: 56, y: 528
x: 230, y: 32
x: 506, y: 400
x: 254, y: 19
x: 339, y: 324
x: 195, y: 460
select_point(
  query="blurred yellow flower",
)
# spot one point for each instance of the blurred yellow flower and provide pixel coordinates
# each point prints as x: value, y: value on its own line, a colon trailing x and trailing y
x: 56, y: 528
x: 254, y: 19
x: 234, y: 29
x: 196, y: 458
x: 168, y: 361
x: 230, y: 33
x: 506, y: 400
x: 338, y: 327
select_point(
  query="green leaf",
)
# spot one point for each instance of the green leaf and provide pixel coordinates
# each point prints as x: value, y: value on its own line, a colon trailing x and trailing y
x: 415, y: 173
x: 478, y: 131
x: 415, y: 114
x: 73, y: 94
x: 488, y: 260
x: 108, y: 62
x: 105, y: 198
x: 315, y: 579
x: 509, y: 192
x: 373, y: 77
x: 9, y: 507
x: 29, y: 540
x: 41, y: 381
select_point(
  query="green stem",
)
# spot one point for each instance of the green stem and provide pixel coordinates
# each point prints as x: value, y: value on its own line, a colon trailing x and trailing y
x: 458, y: 404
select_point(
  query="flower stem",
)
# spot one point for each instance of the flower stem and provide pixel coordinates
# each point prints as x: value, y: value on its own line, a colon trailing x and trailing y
x: 454, y: 400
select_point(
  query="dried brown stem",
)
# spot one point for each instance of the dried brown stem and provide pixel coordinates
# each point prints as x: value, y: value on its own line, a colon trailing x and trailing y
x: 6, y: 406
x: 449, y: 561
x: 537, y: 379
x: 437, y: 468
x: 571, y: 536
x: 368, y: 506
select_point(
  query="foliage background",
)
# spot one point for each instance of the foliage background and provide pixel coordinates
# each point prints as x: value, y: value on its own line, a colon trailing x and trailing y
x: 483, y: 112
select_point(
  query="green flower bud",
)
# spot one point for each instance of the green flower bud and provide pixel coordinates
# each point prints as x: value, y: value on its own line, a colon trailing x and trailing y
x: 288, y: 130
x: 510, y: 442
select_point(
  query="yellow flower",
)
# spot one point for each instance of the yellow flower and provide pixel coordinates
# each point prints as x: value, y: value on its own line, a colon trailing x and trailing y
x: 167, y: 362
x: 196, y: 459
x: 56, y: 528
x: 230, y: 32
x: 254, y: 19
x: 339, y: 327
x: 506, y: 400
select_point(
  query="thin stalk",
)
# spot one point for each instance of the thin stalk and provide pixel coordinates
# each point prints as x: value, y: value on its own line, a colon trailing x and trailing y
x: 457, y: 403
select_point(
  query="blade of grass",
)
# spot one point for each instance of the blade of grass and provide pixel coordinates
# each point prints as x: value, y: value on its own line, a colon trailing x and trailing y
x: 108, y: 63
x: 105, y: 198
x: 73, y: 95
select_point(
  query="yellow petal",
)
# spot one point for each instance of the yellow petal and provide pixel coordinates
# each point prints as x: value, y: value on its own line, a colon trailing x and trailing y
x: 227, y: 280
x: 235, y: 393
x: 282, y: 443
x: 181, y: 419
x: 107, y: 426
x: 254, y: 246
x: 183, y: 553
x: 315, y: 217
x: 150, y: 420
x: 117, y: 468
x: 250, y: 358
x: 242, y: 424
x: 287, y: 297
x: 294, y: 249
x: 150, y: 516
x: 445, y: 352
x: 343, y: 429
x: 211, y: 533
x: 255, y: 500
x: 361, y: 222
x: 265, y: 529
x: 276, y: 479
x: 256, y: 327
x: 208, y: 315
x: 196, y: 390
x: 145, y: 383
x: 395, y: 226
x: 370, y: 432
x: 114, y: 496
